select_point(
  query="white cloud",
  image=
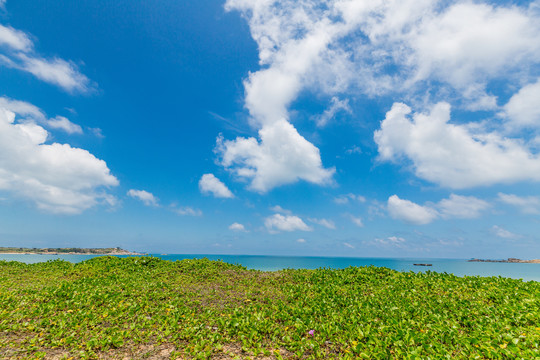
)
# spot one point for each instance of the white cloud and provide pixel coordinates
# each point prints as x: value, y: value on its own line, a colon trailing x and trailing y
x: 209, y: 184
x: 455, y: 207
x: 344, y: 199
x: 278, y: 222
x: 502, y: 233
x: 460, y: 45
x: 391, y: 240
x: 356, y: 220
x: 97, y: 132
x: 281, y: 210
x: 281, y: 157
x: 56, y: 177
x: 451, y: 155
x: 410, y: 212
x: 291, y: 41
x: 146, y: 197
x: 353, y: 150
x: 522, y: 109
x: 237, y: 227
x: 336, y: 106
x: 467, y: 43
x: 63, y: 123
x: 329, y: 224
x: 301, y: 241
x: 15, y: 39
x: 18, y: 52
x: 57, y: 72
x: 22, y: 108
x: 527, y: 204
x: 465, y: 207
x: 449, y: 50
x: 186, y: 211
x: 348, y: 245
x: 34, y: 114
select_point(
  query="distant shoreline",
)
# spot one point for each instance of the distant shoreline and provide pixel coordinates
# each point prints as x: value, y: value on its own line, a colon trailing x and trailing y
x: 66, y: 251
x: 509, y: 260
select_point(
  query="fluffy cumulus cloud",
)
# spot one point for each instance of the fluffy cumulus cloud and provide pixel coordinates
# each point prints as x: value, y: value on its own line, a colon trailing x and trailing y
x: 452, y: 155
x: 462, y: 207
x: 522, y: 109
x: 410, y: 212
x: 282, y: 156
x: 278, y: 222
x: 146, y: 197
x: 237, y: 227
x: 17, y: 52
x: 455, y: 207
x: 209, y: 184
x: 336, y: 44
x: 450, y: 50
x: 57, y: 177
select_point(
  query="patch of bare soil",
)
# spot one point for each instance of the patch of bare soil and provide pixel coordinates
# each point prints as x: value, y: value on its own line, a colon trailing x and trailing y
x: 138, y: 352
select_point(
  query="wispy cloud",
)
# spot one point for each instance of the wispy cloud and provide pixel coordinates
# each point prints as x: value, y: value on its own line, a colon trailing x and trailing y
x: 280, y: 210
x: 336, y: 106
x: 329, y: 224
x: 390, y: 241
x: 356, y: 220
x: 17, y: 51
x: 64, y: 124
x: 503, y: 233
x: 146, y: 197
x: 527, y: 204
x: 186, y: 210
x: 345, y: 199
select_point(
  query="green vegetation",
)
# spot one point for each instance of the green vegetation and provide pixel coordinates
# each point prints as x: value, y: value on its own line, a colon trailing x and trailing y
x: 144, y: 307
x: 93, y: 251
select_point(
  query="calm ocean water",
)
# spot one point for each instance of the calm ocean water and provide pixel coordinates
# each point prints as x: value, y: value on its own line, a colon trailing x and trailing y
x: 271, y: 263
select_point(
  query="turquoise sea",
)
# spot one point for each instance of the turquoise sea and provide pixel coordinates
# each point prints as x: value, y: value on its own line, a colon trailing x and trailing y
x: 459, y: 267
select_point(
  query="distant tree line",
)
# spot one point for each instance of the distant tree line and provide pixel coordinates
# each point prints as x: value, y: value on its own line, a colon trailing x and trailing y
x: 60, y: 250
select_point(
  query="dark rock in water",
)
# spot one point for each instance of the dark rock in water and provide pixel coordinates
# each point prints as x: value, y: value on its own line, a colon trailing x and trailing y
x: 423, y: 264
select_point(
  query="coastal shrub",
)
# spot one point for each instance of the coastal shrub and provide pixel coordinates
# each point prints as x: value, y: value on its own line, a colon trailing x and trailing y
x: 137, y: 307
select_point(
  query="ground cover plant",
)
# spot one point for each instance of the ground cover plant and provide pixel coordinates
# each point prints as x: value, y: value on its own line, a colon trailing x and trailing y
x: 144, y: 307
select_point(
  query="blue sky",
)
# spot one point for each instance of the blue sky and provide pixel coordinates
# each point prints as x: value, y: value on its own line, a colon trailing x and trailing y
x: 336, y: 128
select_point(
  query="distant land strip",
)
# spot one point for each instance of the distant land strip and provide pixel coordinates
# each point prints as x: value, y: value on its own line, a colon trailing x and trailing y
x: 68, y: 251
x: 509, y: 260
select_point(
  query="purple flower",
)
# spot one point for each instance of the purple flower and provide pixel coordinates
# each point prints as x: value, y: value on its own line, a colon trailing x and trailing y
x: 311, y: 332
